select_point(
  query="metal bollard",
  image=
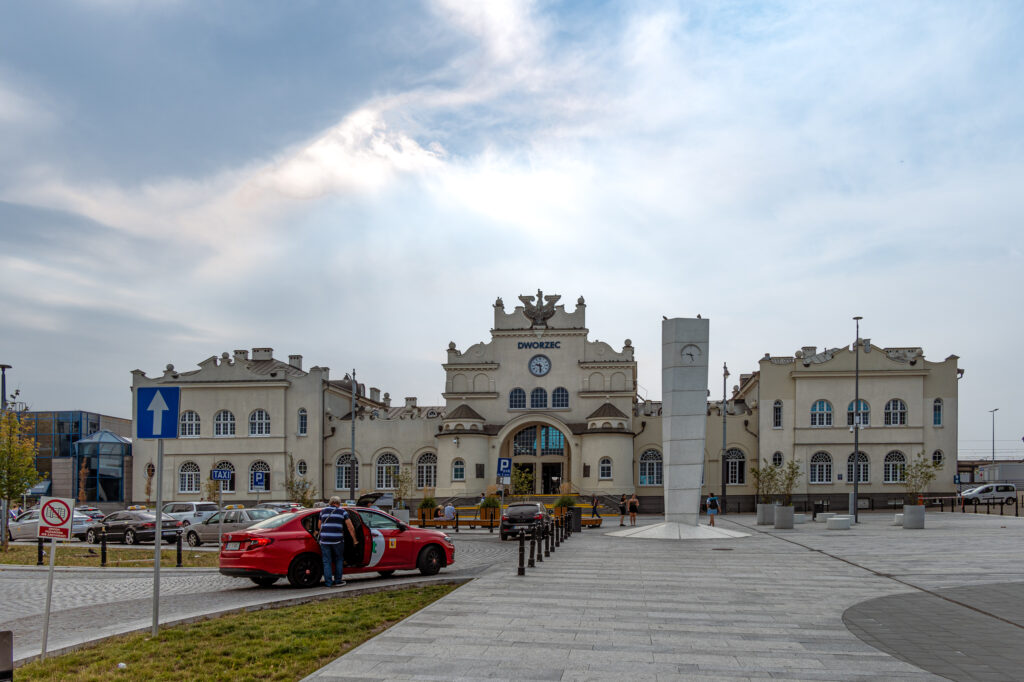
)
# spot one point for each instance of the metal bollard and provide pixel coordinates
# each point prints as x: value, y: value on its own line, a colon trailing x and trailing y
x: 522, y: 554
x: 558, y: 540
x: 549, y: 546
x: 103, y: 548
x: 456, y: 521
x: 543, y: 542
x: 533, y: 543
x: 490, y: 523
x: 39, y: 552
x: 178, y: 542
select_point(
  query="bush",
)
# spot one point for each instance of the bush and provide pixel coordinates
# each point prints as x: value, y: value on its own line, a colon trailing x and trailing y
x: 565, y: 501
x: 428, y: 503
x: 490, y: 502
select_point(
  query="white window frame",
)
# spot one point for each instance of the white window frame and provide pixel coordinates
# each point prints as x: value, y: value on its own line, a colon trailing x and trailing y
x: 259, y: 423
x: 864, y: 413
x: 224, y: 424
x: 188, y: 478
x: 778, y: 459
x: 651, y: 468
x: 864, y: 468
x: 303, y: 422
x: 894, y: 467
x: 895, y: 413
x: 426, y: 471
x: 301, y: 468
x: 189, y: 424
x: 342, y: 471
x: 938, y: 458
x: 820, y: 470
x: 937, y: 415
x: 513, y: 396
x: 777, y: 414
x: 387, y: 469
x: 604, y: 469
x: 560, y: 398
x: 535, y: 399
x: 259, y: 465
x: 735, y: 467
x: 458, y: 471
x: 821, y: 414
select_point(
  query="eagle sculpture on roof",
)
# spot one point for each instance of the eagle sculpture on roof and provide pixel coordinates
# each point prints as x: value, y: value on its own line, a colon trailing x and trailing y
x: 542, y: 311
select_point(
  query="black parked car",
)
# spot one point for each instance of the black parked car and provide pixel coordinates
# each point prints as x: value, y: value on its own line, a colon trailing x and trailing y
x: 133, y: 527
x: 523, y: 516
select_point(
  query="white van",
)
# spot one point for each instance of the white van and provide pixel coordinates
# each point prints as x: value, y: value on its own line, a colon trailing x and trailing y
x: 993, y: 492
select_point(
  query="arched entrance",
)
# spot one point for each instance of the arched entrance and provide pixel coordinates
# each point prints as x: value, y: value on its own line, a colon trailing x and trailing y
x: 542, y: 450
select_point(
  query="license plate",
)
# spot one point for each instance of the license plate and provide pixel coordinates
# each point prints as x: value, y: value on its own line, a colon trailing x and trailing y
x: 521, y: 527
x: 231, y: 546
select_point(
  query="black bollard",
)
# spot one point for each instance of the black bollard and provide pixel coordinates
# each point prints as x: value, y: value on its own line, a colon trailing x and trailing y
x: 490, y: 523
x: 178, y: 542
x: 456, y: 520
x: 547, y: 539
x: 103, y: 548
x: 39, y: 552
x: 522, y: 554
x: 558, y: 540
x: 533, y: 542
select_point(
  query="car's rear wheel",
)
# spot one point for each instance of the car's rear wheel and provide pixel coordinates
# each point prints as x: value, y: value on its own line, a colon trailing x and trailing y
x: 265, y: 580
x: 430, y: 560
x: 1010, y: 500
x: 130, y: 538
x: 92, y: 537
x: 193, y: 540
x: 386, y: 574
x: 305, y: 570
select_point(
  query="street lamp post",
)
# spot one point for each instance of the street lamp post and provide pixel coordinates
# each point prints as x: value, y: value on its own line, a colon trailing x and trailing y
x: 725, y: 376
x: 993, y: 413
x: 352, y: 461
x: 856, y: 419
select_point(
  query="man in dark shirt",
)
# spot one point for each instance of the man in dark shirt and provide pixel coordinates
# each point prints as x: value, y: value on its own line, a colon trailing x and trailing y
x: 333, y: 521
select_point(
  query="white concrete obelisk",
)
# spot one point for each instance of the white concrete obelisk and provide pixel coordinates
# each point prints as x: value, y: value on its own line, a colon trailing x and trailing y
x: 684, y: 385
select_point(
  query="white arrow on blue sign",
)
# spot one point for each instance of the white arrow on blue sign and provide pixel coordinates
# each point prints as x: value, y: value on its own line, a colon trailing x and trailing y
x: 504, y: 466
x: 156, y: 412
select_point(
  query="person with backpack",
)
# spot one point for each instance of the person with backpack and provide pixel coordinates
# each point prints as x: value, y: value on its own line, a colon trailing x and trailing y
x: 712, y: 507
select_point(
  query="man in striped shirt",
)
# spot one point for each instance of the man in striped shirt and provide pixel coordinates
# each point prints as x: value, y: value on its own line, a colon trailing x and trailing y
x: 333, y: 521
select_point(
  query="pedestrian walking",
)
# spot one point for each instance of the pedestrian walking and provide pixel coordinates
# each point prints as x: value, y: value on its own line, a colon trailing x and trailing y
x: 712, y: 507
x: 634, y: 507
x: 333, y: 522
x: 622, y: 510
x: 593, y: 508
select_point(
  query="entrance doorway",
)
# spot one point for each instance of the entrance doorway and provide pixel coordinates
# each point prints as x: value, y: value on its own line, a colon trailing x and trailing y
x: 550, y: 477
x: 529, y: 469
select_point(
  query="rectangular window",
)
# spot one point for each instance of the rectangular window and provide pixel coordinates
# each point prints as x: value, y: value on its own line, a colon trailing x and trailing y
x: 459, y: 471
x: 937, y: 413
x: 777, y: 415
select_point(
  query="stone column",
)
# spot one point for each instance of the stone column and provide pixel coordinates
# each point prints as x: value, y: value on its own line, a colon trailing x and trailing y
x: 684, y: 382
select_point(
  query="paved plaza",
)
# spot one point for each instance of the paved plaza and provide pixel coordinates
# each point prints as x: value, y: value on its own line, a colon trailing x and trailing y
x: 874, y: 603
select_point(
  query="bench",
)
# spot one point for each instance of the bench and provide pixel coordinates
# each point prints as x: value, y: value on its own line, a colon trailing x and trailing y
x: 839, y: 523
x: 799, y: 518
x: 824, y: 516
x: 897, y: 519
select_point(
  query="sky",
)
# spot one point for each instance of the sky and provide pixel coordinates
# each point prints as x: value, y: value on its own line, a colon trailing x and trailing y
x: 358, y: 182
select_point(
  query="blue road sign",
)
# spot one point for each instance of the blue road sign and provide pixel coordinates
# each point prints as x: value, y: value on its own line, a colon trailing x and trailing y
x: 504, y: 466
x: 156, y: 412
x: 221, y: 474
x: 259, y: 479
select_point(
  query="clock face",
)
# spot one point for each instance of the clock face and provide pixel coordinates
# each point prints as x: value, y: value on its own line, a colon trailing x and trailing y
x: 691, y: 353
x: 539, y: 365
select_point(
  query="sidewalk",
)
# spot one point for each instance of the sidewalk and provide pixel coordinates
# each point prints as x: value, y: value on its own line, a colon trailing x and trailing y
x: 876, y: 602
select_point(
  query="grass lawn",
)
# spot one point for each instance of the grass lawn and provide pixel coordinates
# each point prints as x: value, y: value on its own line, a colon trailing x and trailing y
x: 274, y: 644
x: 78, y: 554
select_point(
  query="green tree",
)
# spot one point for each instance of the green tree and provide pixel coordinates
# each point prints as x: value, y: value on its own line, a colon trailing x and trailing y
x: 917, y: 475
x: 299, y: 488
x: 522, y: 482
x: 17, y: 469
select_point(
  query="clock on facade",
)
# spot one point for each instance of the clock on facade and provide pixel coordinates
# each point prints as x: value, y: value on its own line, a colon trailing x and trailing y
x: 539, y: 365
x: 691, y: 353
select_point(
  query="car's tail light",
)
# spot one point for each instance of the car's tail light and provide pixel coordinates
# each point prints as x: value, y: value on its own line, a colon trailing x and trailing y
x: 178, y: 523
x: 148, y: 525
x: 504, y: 517
x: 538, y: 517
x: 258, y: 542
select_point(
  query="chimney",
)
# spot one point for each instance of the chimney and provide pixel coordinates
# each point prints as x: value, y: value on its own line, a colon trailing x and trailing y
x: 809, y: 351
x: 387, y: 400
x: 295, y: 361
x: 262, y: 354
x: 375, y: 394
x: 241, y: 356
x: 410, y: 402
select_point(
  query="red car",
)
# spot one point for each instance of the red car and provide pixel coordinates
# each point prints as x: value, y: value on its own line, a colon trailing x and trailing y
x: 286, y: 546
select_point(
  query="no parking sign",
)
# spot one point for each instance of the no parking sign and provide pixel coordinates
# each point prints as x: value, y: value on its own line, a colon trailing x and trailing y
x: 55, y: 518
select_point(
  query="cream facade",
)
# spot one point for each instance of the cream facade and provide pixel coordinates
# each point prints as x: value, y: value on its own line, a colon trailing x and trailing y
x: 563, y: 407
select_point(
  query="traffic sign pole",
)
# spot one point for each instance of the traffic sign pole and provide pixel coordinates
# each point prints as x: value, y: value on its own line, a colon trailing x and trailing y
x: 159, y: 537
x: 49, y: 595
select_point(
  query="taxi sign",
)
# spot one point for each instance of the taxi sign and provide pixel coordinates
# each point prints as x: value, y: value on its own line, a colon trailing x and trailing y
x: 55, y: 518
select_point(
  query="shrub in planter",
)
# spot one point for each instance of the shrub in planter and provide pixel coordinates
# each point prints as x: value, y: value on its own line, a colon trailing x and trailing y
x: 427, y: 507
x: 916, y: 476
x: 490, y: 507
x: 563, y: 503
x: 766, y: 483
x: 788, y: 477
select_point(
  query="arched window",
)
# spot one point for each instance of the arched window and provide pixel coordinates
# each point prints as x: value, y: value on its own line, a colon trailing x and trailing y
x: 777, y: 414
x: 343, y: 472
x: 938, y: 459
x: 224, y: 424
x: 895, y: 413
x: 226, y: 486
x: 937, y: 412
x: 387, y: 471
x: 259, y: 423
x: 259, y: 467
x: 559, y: 397
x: 517, y: 399
x: 538, y: 399
x: 604, y: 469
x: 426, y: 470
x: 535, y: 441
x: 458, y: 471
x: 188, y: 478
x: 821, y: 413
x: 863, y: 414
x: 895, y: 468
x: 301, y: 467
x: 303, y: 421
x: 189, y: 424
x: 735, y: 467
x: 821, y: 468
x: 863, y: 468
x: 650, y: 468
x: 777, y: 459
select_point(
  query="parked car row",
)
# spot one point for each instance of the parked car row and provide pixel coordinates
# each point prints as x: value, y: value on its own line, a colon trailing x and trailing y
x: 26, y: 525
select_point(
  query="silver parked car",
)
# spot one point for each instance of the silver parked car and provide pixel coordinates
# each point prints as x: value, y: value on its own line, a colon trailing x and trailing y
x: 234, y: 519
x: 190, y: 512
x: 26, y: 526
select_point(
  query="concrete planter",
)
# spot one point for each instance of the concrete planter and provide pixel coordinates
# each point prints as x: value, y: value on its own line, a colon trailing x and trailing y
x: 784, y: 517
x: 913, y: 516
x: 765, y: 514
